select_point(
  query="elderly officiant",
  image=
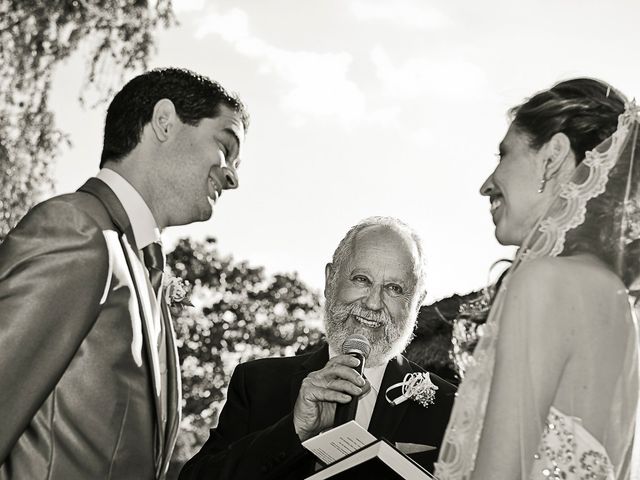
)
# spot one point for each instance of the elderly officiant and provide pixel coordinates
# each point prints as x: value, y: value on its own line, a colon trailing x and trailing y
x: 374, y: 287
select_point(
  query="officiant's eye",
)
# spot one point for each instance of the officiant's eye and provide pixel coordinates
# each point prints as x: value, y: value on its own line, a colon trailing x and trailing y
x: 360, y: 279
x: 394, y: 289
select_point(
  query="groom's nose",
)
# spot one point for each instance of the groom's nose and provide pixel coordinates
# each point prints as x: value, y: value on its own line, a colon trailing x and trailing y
x: 231, y: 180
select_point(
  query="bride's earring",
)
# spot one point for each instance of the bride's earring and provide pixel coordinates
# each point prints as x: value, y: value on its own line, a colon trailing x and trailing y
x: 543, y: 183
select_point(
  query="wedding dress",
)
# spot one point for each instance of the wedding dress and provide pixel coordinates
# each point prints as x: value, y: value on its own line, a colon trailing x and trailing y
x: 564, y: 302
x: 567, y: 449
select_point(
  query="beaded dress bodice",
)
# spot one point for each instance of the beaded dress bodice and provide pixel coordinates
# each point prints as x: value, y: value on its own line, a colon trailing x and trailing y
x: 568, y: 451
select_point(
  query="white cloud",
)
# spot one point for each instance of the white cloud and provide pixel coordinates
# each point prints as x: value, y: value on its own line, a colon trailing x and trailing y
x: 317, y: 83
x: 180, y: 6
x: 232, y: 26
x: 403, y: 13
x: 425, y: 77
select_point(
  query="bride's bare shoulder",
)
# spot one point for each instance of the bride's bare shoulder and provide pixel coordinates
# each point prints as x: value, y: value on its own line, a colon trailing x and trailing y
x: 580, y: 290
x: 579, y: 271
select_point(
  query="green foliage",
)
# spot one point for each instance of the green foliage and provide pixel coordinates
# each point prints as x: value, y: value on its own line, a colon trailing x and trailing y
x: 240, y: 313
x: 35, y: 36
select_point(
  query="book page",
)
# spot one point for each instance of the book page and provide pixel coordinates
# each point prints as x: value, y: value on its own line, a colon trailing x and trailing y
x: 380, y: 460
x: 339, y: 442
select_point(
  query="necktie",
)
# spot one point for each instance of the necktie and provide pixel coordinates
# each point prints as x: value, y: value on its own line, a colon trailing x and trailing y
x: 154, y: 260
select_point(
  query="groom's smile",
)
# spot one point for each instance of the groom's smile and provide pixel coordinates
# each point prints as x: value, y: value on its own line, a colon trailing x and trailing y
x: 215, y: 190
x: 209, y: 154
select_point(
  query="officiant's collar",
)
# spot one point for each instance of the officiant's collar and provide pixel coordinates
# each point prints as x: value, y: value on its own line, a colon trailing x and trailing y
x: 145, y: 229
x: 373, y: 374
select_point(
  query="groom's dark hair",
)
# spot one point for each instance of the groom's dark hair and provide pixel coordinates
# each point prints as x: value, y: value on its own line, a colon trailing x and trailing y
x: 194, y: 96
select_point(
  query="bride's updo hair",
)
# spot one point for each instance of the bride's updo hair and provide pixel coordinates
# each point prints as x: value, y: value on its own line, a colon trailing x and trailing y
x: 584, y: 109
x: 587, y: 112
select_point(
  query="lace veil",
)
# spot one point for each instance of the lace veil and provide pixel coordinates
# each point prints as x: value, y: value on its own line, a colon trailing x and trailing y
x: 596, y: 212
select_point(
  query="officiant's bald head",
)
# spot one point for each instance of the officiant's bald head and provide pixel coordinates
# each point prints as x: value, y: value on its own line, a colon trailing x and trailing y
x: 375, y: 285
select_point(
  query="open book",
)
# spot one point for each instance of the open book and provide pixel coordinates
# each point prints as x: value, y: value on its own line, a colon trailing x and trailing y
x: 380, y: 460
x: 352, y: 453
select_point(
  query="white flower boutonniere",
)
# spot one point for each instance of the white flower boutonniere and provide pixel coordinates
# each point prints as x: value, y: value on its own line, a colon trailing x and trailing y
x: 177, y: 292
x: 416, y: 386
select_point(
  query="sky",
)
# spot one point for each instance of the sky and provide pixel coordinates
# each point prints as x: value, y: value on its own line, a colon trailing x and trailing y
x: 367, y: 107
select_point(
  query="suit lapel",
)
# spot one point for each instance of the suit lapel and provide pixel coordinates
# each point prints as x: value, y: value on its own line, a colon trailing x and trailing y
x: 316, y: 361
x: 112, y: 205
x: 385, y: 418
x: 174, y: 385
x: 137, y: 270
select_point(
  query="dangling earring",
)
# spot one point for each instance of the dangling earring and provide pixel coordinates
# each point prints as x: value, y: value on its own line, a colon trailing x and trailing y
x: 543, y: 183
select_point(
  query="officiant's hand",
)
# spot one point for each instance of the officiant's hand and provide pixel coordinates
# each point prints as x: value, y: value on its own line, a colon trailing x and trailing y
x: 315, y: 406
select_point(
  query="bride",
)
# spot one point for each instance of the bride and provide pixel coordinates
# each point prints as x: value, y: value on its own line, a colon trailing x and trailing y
x: 553, y: 390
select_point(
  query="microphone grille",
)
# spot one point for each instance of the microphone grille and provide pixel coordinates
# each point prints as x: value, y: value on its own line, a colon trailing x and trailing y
x: 356, y: 343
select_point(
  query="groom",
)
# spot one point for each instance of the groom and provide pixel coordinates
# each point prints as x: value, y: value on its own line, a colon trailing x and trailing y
x: 374, y: 287
x: 89, y: 382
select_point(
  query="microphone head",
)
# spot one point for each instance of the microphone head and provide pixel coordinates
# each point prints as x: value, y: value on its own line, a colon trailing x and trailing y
x: 357, y: 343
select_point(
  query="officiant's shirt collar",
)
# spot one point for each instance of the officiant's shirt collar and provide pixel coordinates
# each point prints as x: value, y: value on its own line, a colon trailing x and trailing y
x: 145, y: 229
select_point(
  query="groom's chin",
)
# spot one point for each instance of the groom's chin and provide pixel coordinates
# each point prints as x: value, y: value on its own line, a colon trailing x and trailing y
x: 205, y: 213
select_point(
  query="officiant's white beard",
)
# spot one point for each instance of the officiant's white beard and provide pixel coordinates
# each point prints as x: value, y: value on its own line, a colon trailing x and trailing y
x: 387, y: 341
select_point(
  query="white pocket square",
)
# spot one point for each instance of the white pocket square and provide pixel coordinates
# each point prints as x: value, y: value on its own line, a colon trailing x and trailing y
x: 409, y: 448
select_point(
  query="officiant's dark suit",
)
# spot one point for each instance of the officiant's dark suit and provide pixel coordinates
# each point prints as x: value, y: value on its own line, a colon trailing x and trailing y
x: 255, y: 437
x: 90, y: 382
x: 375, y: 281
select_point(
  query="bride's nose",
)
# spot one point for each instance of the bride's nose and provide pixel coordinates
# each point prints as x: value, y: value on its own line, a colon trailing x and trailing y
x: 487, y: 187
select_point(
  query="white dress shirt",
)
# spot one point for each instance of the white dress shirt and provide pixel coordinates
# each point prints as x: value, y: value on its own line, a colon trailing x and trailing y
x: 145, y: 231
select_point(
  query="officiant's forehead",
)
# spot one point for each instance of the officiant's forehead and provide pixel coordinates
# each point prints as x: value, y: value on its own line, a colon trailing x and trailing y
x: 382, y: 248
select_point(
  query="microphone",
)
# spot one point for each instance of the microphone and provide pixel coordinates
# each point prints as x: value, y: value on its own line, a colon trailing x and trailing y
x: 358, y: 346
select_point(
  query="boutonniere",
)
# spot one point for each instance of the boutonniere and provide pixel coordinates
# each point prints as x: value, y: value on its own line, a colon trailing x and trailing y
x: 416, y: 386
x: 177, y: 292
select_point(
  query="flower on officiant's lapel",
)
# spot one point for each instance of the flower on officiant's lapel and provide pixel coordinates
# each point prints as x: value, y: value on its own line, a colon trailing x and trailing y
x: 416, y: 386
x: 177, y: 292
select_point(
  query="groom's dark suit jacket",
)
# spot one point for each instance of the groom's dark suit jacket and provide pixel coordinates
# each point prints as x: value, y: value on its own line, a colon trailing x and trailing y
x: 78, y: 397
x: 255, y: 437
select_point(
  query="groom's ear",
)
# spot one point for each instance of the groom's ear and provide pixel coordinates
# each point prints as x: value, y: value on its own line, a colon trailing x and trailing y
x: 163, y: 119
